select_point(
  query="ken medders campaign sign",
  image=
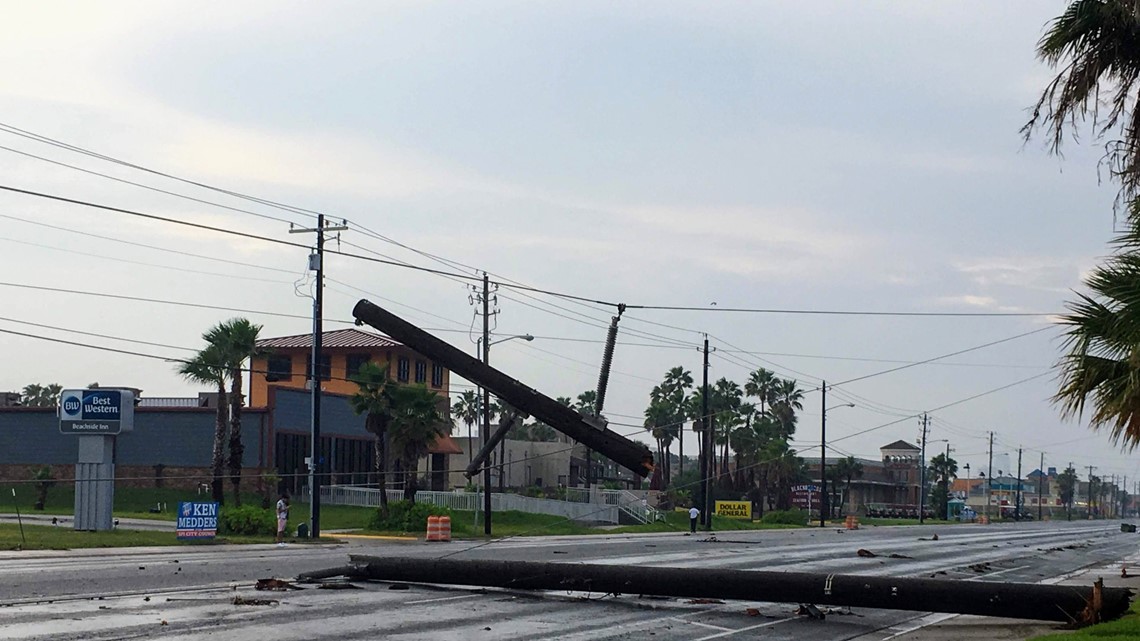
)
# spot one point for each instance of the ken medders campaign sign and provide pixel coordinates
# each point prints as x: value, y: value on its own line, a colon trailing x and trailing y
x: 197, y: 520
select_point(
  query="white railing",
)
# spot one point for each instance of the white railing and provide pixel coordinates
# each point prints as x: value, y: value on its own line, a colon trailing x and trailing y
x: 631, y: 503
x: 471, y: 501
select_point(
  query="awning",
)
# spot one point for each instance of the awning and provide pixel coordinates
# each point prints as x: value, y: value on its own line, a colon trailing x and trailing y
x: 444, y: 445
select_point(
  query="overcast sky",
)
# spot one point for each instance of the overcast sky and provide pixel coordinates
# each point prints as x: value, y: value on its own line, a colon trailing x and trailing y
x: 786, y: 155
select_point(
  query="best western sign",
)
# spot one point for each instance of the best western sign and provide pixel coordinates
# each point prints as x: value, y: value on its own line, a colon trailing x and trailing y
x: 734, y: 509
x: 96, y: 411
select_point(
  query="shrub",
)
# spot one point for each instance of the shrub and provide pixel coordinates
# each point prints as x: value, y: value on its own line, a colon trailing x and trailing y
x: 248, y: 520
x: 786, y: 517
x: 406, y: 517
x: 534, y: 492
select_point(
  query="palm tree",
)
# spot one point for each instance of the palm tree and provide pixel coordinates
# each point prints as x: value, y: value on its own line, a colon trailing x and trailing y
x: 674, y: 390
x: 35, y: 395
x: 847, y: 469
x: 1101, y: 366
x: 469, y: 409
x: 236, y: 340
x: 787, y: 400
x: 943, y: 469
x: 208, y: 368
x: 761, y: 385
x: 374, y: 399
x: 657, y: 418
x: 1097, y: 45
x: 416, y: 424
x: 1067, y: 488
x: 586, y: 405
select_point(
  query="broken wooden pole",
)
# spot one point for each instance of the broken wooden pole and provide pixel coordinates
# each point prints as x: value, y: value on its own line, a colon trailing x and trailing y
x: 630, y: 454
x: 1011, y: 600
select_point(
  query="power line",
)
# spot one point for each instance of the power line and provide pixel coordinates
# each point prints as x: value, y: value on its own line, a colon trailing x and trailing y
x: 143, y: 186
x: 835, y: 312
x: 947, y: 405
x: 87, y: 152
x: 144, y: 245
x: 957, y: 353
x: 144, y: 263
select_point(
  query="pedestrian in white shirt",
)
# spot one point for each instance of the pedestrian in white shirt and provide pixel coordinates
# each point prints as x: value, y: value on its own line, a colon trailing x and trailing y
x: 282, y: 517
x: 694, y: 514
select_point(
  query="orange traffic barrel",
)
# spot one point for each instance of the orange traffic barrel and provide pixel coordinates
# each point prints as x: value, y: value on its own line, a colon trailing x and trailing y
x: 444, y: 528
x: 433, y: 528
x: 852, y: 523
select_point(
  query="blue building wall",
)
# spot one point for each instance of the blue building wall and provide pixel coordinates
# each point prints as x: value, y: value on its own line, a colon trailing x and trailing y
x: 182, y: 438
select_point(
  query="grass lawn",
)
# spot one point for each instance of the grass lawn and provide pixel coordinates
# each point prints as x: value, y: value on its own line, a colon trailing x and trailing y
x: 41, y: 537
x: 130, y: 502
x: 1126, y: 627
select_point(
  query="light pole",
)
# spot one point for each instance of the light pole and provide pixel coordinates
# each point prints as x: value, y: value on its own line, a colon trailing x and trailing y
x: 485, y: 348
x: 824, y: 506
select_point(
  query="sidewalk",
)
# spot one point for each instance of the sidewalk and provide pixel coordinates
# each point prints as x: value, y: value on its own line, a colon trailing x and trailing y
x: 65, y: 520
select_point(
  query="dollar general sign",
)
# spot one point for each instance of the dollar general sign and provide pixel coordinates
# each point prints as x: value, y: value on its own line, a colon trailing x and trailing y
x: 734, y: 509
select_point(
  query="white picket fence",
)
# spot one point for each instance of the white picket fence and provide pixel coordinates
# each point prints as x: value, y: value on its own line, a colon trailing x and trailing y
x: 471, y: 501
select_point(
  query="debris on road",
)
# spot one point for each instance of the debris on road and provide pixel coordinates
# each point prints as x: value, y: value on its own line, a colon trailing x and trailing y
x: 276, y: 584
x: 240, y: 600
x: 810, y: 610
x: 899, y: 556
x: 705, y: 602
x: 866, y: 554
x: 338, y: 585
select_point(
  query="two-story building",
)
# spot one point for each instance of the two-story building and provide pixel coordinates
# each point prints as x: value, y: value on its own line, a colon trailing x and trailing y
x: 346, y: 455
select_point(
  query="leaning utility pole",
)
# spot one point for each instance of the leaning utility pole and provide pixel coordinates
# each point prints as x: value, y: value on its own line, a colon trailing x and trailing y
x: 603, y: 382
x: 823, y: 506
x: 922, y: 474
x: 316, y: 264
x: 989, y: 478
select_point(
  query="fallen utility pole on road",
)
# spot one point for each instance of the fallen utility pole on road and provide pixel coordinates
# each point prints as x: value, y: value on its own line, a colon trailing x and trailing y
x: 1011, y: 600
x: 626, y: 452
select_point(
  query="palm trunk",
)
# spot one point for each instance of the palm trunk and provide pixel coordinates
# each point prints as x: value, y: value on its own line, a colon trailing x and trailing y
x: 410, y: 481
x: 381, y: 468
x: 237, y: 449
x: 217, y: 490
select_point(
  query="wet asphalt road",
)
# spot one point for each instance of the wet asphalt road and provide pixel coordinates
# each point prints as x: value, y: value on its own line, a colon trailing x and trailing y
x: 188, y: 592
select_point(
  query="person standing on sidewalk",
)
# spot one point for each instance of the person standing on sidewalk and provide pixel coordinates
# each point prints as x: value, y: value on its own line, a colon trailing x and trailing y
x: 694, y: 514
x: 282, y: 517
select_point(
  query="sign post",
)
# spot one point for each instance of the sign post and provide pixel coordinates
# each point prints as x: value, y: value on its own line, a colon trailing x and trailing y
x: 96, y: 416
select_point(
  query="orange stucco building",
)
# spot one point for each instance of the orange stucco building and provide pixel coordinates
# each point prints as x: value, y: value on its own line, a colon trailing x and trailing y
x: 344, y: 351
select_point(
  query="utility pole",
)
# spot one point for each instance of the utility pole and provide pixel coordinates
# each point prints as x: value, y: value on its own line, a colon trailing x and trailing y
x: 604, y: 378
x: 316, y: 264
x: 1040, y: 476
x: 989, y: 478
x: 922, y: 474
x: 707, y: 441
x: 823, y: 506
x: 486, y: 299
x: 1017, y: 495
x: 1090, y: 499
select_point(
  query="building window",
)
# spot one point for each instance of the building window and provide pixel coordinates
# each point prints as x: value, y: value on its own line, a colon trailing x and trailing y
x: 436, y: 375
x: 402, y: 370
x: 279, y: 368
x: 352, y: 364
x: 324, y: 371
x: 421, y: 372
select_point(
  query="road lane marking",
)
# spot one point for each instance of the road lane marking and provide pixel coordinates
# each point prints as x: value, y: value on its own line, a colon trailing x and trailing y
x: 444, y: 598
x: 738, y: 631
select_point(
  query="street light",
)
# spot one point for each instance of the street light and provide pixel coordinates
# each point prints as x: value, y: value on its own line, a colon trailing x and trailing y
x: 824, y: 507
x: 486, y: 428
